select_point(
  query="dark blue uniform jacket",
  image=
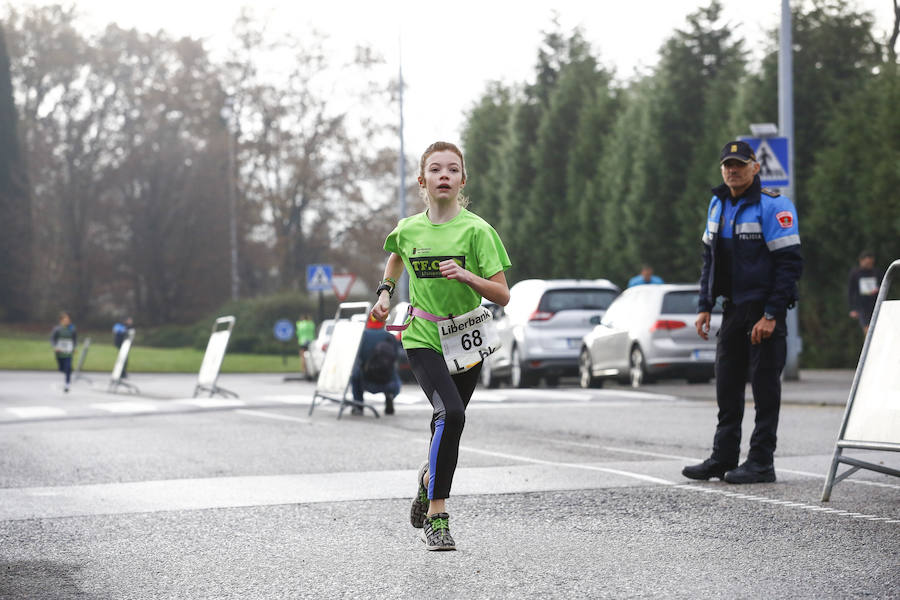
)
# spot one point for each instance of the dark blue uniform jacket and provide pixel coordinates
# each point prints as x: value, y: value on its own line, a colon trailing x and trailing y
x: 766, y: 260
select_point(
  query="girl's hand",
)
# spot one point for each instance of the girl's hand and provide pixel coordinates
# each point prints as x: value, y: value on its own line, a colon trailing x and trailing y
x: 451, y: 270
x: 382, y: 307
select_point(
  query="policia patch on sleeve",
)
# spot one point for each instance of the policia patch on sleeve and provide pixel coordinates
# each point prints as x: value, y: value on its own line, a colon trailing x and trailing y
x: 428, y: 267
x: 769, y: 192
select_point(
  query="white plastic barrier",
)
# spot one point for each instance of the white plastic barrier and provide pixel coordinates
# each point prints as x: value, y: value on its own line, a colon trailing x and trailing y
x: 116, y: 381
x: 212, y: 359
x: 872, y: 417
x: 82, y: 356
x: 334, y: 377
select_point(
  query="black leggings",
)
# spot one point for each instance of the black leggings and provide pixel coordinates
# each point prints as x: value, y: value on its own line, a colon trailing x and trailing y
x: 65, y: 366
x: 449, y: 396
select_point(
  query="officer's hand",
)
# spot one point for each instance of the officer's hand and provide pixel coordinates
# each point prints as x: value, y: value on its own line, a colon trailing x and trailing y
x: 854, y: 314
x: 702, y: 325
x: 762, y: 330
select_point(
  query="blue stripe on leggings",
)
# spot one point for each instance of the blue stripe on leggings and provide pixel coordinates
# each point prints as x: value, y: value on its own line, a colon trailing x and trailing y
x: 432, y: 456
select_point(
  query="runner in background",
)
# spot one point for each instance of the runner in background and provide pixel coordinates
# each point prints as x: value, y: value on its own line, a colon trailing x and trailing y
x: 63, y: 338
x: 862, y: 289
x: 453, y: 258
x: 306, y: 333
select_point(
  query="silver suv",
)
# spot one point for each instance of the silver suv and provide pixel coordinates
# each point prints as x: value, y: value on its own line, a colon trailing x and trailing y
x: 541, y: 329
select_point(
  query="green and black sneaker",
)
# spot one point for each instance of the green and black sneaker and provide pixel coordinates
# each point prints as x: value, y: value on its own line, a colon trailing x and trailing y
x: 420, y: 502
x: 436, y: 533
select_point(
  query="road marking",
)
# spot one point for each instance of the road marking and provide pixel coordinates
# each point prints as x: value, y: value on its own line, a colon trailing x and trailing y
x: 694, y: 458
x: 212, y: 402
x: 125, y: 407
x: 552, y: 463
x: 738, y: 495
x: 786, y: 503
x: 292, y: 399
x: 267, y: 415
x: 36, y: 412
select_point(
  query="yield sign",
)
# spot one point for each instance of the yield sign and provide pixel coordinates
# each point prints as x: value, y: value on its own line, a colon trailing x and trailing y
x: 341, y: 284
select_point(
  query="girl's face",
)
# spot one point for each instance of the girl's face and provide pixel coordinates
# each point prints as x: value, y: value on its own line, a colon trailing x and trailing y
x: 443, y: 178
x: 64, y: 320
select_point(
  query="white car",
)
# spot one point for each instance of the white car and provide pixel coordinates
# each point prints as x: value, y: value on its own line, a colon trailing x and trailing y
x: 648, y: 333
x: 315, y: 353
x: 542, y: 327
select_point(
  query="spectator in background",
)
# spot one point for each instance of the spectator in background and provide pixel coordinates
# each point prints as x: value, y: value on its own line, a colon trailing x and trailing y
x: 63, y: 337
x: 375, y: 370
x: 120, y: 334
x: 306, y: 333
x: 645, y: 276
x: 862, y: 289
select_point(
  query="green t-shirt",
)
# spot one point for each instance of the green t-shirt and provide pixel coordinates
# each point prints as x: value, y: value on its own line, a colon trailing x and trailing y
x: 468, y: 239
x: 306, y: 331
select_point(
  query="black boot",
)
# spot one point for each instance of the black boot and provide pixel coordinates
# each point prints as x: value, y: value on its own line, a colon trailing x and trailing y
x: 708, y: 469
x: 388, y: 405
x: 751, y: 473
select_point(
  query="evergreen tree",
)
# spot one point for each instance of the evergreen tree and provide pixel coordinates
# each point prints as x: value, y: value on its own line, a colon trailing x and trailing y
x: 853, y: 206
x: 486, y: 124
x: 15, y: 205
x: 551, y: 213
x: 682, y: 131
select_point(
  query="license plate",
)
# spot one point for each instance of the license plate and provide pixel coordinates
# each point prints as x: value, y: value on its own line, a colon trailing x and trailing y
x: 574, y: 342
x: 704, y: 355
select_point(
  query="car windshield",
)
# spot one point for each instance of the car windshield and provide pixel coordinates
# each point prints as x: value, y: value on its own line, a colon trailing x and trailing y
x: 684, y: 303
x: 576, y: 299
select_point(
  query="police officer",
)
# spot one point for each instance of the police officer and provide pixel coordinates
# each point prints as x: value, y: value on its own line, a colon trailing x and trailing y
x: 751, y: 258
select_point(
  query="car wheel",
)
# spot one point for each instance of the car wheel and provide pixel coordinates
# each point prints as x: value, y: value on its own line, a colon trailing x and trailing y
x: 638, y: 370
x: 488, y: 379
x: 520, y: 377
x: 552, y: 381
x: 585, y: 378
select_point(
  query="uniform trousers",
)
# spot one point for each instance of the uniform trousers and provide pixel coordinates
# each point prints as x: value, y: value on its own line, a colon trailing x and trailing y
x: 737, y: 360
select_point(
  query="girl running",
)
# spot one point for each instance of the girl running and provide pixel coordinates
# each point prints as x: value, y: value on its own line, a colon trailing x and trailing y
x: 63, y: 338
x: 454, y: 258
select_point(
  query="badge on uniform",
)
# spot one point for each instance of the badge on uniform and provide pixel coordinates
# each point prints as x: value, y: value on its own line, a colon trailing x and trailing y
x: 785, y: 219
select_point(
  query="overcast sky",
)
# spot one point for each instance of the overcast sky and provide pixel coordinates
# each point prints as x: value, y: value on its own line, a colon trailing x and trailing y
x: 450, y: 49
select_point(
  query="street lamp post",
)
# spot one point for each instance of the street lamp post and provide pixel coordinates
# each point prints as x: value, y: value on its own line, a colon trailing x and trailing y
x: 403, y: 284
x: 228, y: 115
x: 786, y: 125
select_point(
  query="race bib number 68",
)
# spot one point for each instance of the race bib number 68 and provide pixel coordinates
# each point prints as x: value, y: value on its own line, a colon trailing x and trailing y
x: 468, y: 339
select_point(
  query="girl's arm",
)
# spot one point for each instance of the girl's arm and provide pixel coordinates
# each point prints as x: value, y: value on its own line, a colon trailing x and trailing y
x: 392, y: 270
x: 494, y: 288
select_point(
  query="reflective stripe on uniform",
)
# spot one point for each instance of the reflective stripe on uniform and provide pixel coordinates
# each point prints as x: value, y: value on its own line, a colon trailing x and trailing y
x: 752, y: 227
x: 783, y: 242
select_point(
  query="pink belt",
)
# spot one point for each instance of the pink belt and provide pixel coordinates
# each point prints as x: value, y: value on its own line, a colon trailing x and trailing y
x: 416, y: 312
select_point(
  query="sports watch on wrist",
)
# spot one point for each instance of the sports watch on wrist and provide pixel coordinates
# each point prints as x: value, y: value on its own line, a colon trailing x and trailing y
x: 769, y: 316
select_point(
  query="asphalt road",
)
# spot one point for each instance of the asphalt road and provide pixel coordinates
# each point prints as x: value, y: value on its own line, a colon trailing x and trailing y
x: 560, y: 493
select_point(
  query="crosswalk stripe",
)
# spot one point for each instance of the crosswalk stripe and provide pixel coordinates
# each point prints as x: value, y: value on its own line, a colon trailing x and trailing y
x: 36, y: 412
x: 125, y: 407
x: 212, y: 402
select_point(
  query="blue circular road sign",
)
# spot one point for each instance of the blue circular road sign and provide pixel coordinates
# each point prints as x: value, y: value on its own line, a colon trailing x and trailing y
x: 284, y: 330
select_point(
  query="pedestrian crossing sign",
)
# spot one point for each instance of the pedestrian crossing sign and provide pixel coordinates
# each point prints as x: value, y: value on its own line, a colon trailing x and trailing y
x: 318, y: 278
x: 772, y: 156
